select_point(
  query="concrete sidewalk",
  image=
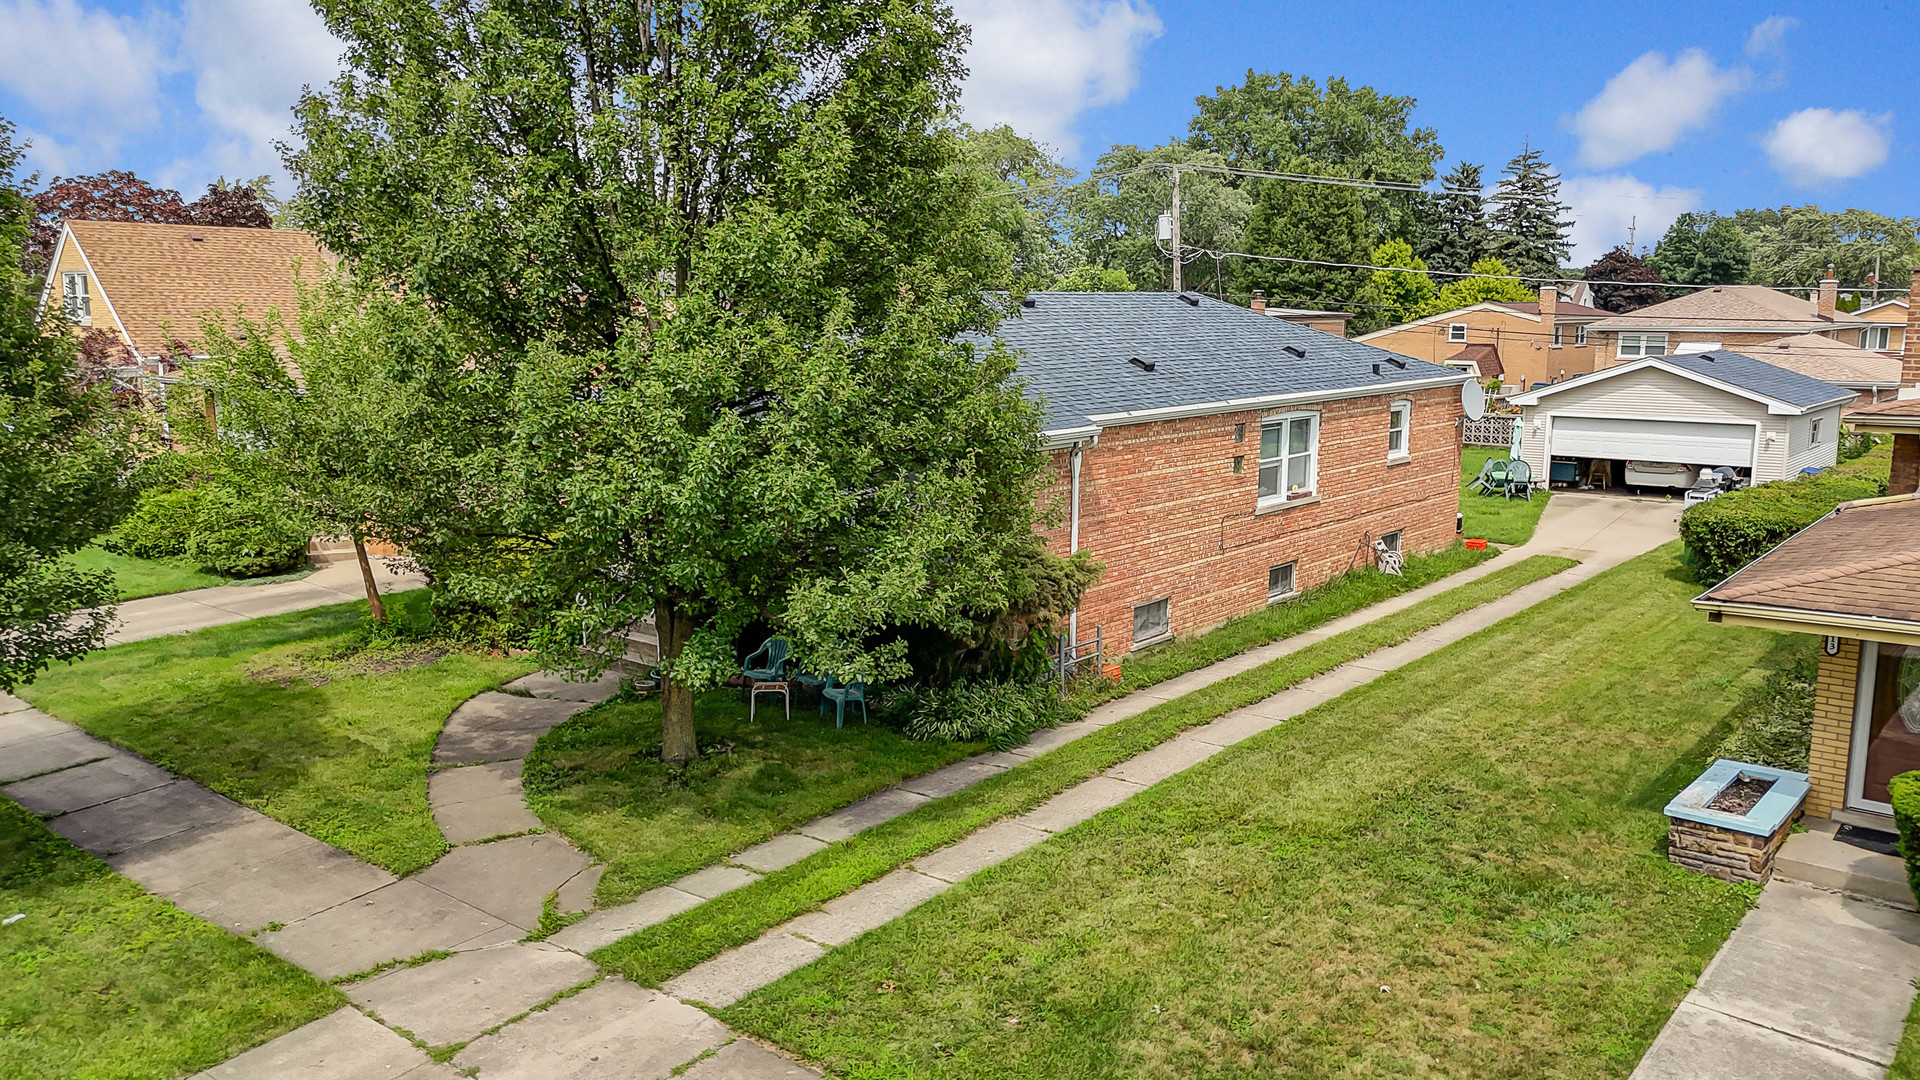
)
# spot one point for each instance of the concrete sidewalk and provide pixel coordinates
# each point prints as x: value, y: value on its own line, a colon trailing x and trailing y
x: 1811, y: 984
x: 184, y: 612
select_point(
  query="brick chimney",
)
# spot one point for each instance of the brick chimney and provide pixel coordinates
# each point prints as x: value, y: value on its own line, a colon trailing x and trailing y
x: 1549, y: 303
x: 1910, y: 344
x: 1829, y: 293
x: 1259, y: 301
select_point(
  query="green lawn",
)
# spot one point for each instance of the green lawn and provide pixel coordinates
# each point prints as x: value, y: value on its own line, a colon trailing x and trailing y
x: 1457, y: 870
x: 1495, y: 518
x: 1906, y: 1059
x: 135, y: 578
x: 598, y: 780
x: 268, y: 712
x: 662, y: 951
x: 103, y: 981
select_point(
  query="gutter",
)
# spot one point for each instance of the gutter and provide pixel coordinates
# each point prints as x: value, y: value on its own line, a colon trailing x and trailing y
x: 1213, y: 408
x: 1868, y: 627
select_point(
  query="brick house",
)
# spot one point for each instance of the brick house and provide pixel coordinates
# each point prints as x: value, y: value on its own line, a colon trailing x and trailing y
x: 1218, y: 460
x: 1722, y: 317
x: 1523, y: 344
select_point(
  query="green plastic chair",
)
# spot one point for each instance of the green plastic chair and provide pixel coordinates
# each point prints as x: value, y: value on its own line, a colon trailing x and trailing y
x: 768, y: 662
x: 1520, y: 479
x: 840, y: 693
x: 1492, y: 478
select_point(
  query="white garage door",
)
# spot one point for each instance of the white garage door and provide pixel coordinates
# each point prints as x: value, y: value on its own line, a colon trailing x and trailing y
x: 1689, y: 442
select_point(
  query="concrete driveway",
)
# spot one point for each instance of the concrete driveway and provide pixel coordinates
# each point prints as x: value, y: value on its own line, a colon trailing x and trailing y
x: 1603, y: 530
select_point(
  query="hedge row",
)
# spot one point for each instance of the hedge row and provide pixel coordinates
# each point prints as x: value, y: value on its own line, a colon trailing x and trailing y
x: 213, y: 526
x: 1724, y: 534
x: 1905, y: 796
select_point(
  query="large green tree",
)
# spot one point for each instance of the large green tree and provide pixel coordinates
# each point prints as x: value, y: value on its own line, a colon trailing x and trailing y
x: 722, y: 259
x: 1026, y: 203
x: 1318, y: 222
x: 1528, y: 224
x: 62, y: 457
x: 1793, y: 245
x: 1459, y: 236
x: 1113, y: 219
x: 1390, y: 297
x: 1702, y: 249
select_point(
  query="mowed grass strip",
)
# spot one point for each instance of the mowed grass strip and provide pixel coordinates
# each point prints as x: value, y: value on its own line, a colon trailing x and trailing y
x: 274, y: 714
x: 660, y: 952
x: 103, y: 981
x: 134, y: 578
x: 1457, y: 870
x: 1344, y: 595
x: 599, y: 780
x: 1496, y: 518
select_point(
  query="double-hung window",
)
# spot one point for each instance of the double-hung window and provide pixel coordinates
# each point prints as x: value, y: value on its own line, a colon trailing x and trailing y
x: 1580, y: 334
x: 1399, y: 420
x: 1557, y: 328
x: 1875, y: 338
x: 1813, y: 432
x: 1643, y: 344
x: 1457, y: 331
x: 1289, y: 449
x: 73, y: 293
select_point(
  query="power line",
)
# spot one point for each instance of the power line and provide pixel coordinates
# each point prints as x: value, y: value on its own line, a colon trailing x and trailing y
x: 1486, y: 194
x: 1438, y: 273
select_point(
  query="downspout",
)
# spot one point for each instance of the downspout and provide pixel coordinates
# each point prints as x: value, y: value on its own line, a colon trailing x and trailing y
x: 1073, y: 539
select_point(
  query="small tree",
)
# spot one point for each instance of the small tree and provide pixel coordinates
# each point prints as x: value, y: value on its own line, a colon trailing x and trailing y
x: 1394, y: 296
x: 61, y: 460
x: 1623, y: 265
x: 1528, y: 223
x: 1492, y: 283
x: 320, y: 427
x: 245, y: 205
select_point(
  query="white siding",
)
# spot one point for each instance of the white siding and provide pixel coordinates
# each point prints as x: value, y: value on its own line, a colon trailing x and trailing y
x: 1803, y: 453
x: 1655, y: 395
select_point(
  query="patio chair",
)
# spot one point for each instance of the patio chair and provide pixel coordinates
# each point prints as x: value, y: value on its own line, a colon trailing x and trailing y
x: 1519, y: 478
x: 840, y: 693
x: 769, y: 661
x: 1493, y: 476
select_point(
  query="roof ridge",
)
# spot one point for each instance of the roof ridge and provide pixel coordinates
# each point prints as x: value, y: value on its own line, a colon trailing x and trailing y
x: 1814, y: 577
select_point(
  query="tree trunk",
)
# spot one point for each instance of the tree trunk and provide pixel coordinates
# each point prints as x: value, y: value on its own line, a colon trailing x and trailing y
x: 374, y: 605
x: 678, y: 744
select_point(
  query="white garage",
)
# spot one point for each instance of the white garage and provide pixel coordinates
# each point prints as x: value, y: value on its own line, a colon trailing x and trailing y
x: 1656, y: 422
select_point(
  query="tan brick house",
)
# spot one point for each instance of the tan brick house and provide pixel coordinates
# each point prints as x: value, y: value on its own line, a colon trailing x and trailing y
x: 1218, y: 460
x: 1523, y: 344
x: 1886, y: 325
x: 1722, y: 317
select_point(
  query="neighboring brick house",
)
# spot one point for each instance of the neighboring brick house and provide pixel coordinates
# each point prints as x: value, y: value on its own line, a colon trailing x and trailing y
x: 1900, y: 417
x: 1872, y: 375
x: 150, y: 284
x: 1523, y: 344
x: 1887, y: 325
x: 1721, y: 317
x: 1218, y: 460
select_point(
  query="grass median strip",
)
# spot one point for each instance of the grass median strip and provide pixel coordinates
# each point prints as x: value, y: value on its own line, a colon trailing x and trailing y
x: 660, y: 952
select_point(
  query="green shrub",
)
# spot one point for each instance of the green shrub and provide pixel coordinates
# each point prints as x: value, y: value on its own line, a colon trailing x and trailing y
x: 1773, y: 724
x: 234, y: 538
x: 1001, y: 714
x: 160, y: 524
x: 1724, y: 534
x: 1904, y: 792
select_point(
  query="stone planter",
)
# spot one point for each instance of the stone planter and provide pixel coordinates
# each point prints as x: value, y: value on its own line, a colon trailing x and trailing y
x: 1732, y: 844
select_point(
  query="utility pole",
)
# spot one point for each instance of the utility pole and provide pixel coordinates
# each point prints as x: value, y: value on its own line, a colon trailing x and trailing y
x: 1178, y: 286
x: 1633, y: 226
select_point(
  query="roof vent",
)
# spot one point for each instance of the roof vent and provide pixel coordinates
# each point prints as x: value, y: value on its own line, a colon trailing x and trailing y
x: 1143, y: 365
x: 1028, y: 301
x: 1376, y: 369
x: 1296, y: 350
x: 1397, y: 362
x: 1192, y: 301
x: 196, y: 236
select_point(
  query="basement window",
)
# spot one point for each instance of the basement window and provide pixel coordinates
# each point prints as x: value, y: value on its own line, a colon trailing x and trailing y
x: 1391, y: 541
x: 1280, y: 582
x: 1152, y: 622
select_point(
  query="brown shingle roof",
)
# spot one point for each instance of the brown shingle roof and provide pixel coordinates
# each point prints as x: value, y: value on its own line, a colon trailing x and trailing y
x: 1862, y: 560
x: 1485, y: 355
x: 1730, y: 307
x: 1832, y: 361
x: 1564, y: 309
x: 154, y: 274
x: 1900, y: 414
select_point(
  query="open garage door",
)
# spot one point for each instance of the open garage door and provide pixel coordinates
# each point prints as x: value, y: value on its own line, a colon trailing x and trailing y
x: 1689, y: 442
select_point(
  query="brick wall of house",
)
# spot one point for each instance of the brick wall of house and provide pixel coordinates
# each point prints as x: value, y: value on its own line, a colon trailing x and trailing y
x: 1610, y: 346
x: 1833, y: 701
x: 1161, y: 506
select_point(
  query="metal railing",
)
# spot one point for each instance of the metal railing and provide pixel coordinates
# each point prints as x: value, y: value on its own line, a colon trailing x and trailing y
x: 1068, y: 655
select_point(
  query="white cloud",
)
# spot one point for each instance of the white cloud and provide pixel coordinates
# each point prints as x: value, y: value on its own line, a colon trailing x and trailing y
x: 1038, y: 64
x: 251, y: 58
x: 1651, y: 104
x: 1606, y: 208
x: 98, y: 96
x: 1768, y: 37
x: 1819, y: 145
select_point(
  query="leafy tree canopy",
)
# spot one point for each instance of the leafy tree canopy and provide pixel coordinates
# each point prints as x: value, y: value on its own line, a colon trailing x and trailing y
x: 1702, y: 249
x: 1791, y: 247
x: 1026, y: 209
x: 1623, y: 265
x: 1296, y: 220
x: 1492, y: 283
x: 1390, y: 297
x: 1089, y: 278
x: 61, y: 460
x: 715, y: 264
x: 1528, y: 223
x: 1114, y: 218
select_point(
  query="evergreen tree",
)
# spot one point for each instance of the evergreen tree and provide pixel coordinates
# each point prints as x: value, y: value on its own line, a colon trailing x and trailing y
x: 1460, y: 234
x: 1623, y: 265
x: 1305, y: 221
x: 1529, y: 229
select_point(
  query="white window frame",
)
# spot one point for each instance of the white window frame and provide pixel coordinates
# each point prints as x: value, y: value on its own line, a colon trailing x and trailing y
x: 1557, y: 331
x: 1283, y: 462
x: 1813, y: 431
x: 1392, y: 540
x: 1880, y: 337
x: 1643, y: 345
x: 1457, y: 331
x: 1580, y: 335
x: 1165, y: 604
x: 76, y: 302
x: 1293, y: 581
x: 1400, y: 412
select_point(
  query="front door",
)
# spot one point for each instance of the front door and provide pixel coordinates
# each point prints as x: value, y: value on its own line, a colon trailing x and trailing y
x: 1886, y: 724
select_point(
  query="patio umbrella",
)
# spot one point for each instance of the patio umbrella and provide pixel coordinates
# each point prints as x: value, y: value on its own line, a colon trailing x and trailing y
x: 1514, y: 453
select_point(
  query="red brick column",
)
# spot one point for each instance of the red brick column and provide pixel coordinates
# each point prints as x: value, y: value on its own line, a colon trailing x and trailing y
x: 1905, y: 477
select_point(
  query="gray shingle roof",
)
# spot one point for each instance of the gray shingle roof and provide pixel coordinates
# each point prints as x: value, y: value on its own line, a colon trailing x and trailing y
x: 1074, y: 351
x: 1760, y: 377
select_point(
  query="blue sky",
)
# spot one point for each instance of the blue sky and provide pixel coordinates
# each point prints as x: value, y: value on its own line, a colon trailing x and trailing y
x: 1648, y: 109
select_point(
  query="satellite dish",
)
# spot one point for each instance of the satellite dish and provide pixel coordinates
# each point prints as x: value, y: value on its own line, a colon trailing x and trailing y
x: 1473, y: 399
